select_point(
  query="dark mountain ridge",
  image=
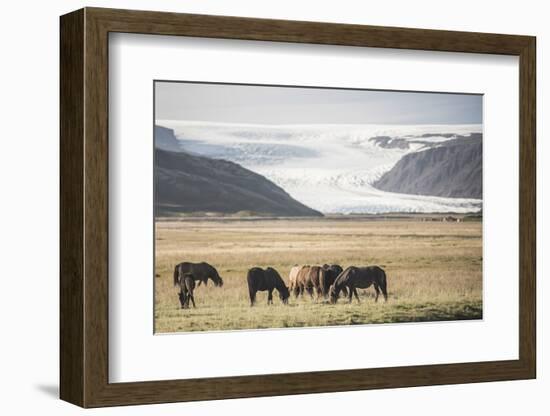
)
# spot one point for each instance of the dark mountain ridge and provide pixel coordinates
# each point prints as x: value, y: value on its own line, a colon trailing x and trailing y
x: 186, y: 183
x: 165, y: 139
x: 450, y: 169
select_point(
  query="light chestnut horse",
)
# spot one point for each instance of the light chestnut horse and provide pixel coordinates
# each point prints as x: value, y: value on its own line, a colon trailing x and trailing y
x: 292, y: 276
x: 301, y: 280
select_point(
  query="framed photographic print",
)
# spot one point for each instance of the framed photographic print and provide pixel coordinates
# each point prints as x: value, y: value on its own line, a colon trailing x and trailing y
x: 237, y: 188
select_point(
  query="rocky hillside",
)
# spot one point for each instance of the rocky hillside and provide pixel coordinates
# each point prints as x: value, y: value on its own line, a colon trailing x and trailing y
x: 165, y: 139
x: 451, y: 169
x: 190, y: 183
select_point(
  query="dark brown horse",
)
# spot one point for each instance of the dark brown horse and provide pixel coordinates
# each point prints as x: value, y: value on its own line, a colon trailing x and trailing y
x: 269, y: 279
x: 362, y: 278
x: 186, y: 283
x: 201, y: 271
x: 314, y: 281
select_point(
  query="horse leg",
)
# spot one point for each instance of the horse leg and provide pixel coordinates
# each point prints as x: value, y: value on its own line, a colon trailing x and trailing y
x: 350, y: 294
x: 192, y: 299
x: 356, y: 295
x: 185, y: 300
x: 252, y: 294
x: 319, y: 292
x: 198, y: 284
x: 270, y: 297
x: 377, y: 293
x: 182, y: 299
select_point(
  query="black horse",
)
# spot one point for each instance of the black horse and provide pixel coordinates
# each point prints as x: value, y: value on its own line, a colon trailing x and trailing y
x: 362, y: 278
x: 201, y: 272
x: 268, y: 279
x: 332, y: 271
x: 186, y: 283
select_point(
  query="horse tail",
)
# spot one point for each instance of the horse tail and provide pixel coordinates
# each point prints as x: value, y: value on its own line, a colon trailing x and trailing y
x: 176, y: 275
x: 249, y: 278
x: 384, y: 285
x: 251, y: 287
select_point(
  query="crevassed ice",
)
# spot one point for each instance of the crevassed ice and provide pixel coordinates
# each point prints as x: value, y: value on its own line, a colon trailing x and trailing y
x: 327, y: 167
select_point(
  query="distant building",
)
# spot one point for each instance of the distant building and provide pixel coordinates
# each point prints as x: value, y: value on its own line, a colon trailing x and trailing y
x: 450, y: 218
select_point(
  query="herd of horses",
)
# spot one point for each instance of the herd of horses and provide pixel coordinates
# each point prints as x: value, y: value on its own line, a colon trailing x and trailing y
x: 327, y: 281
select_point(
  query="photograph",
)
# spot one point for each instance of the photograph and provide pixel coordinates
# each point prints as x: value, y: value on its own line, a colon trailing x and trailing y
x: 286, y: 206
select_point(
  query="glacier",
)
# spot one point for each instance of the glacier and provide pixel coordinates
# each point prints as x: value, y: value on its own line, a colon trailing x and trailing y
x: 328, y: 167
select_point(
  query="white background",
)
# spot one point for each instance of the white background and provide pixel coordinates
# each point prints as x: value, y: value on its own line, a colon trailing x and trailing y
x: 29, y: 220
x: 131, y: 203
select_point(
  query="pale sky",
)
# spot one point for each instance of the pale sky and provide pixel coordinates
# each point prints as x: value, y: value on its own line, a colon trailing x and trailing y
x: 235, y: 103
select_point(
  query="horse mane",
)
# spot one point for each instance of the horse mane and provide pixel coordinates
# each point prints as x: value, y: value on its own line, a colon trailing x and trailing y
x: 279, y: 282
x: 275, y: 273
x: 220, y: 280
x: 343, y: 277
x: 214, y: 275
x: 214, y: 271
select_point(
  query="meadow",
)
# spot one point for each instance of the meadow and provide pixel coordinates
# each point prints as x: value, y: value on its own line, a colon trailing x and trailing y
x: 434, y: 270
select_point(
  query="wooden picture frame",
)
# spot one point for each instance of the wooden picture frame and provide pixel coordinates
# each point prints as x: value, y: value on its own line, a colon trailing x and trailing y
x: 84, y: 207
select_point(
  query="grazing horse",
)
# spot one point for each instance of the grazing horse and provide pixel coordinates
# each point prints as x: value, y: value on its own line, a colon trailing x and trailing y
x: 269, y: 279
x: 362, y: 278
x: 293, y: 285
x: 315, y: 281
x: 302, y: 281
x: 186, y: 283
x: 332, y: 271
x: 311, y: 279
x: 201, y: 271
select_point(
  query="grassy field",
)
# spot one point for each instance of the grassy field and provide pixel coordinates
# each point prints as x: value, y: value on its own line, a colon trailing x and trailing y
x: 434, y: 270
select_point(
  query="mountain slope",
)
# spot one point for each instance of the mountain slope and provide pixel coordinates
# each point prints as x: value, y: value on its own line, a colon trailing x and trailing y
x: 166, y: 140
x: 190, y: 183
x: 452, y: 169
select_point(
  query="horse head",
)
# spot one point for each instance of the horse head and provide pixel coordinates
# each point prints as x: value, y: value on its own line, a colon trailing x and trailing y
x: 284, y: 294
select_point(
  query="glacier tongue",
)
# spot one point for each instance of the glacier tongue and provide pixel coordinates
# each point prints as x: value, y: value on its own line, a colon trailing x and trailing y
x: 329, y: 168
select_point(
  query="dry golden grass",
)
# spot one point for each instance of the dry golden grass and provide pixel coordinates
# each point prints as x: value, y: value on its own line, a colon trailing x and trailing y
x: 434, y: 270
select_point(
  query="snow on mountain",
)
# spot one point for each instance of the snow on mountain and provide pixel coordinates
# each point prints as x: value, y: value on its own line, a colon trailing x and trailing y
x: 329, y: 167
